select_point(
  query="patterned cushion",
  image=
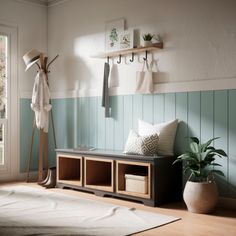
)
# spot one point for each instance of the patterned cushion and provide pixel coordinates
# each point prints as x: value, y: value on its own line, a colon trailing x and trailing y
x: 166, y: 132
x: 141, y: 145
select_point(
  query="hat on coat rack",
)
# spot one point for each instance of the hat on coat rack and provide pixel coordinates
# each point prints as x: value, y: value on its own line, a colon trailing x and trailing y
x: 30, y: 58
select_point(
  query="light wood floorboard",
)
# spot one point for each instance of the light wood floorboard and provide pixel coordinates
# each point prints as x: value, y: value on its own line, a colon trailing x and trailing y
x: 220, y: 223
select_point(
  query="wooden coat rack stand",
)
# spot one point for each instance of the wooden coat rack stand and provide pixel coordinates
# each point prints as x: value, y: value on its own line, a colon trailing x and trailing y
x: 43, y: 137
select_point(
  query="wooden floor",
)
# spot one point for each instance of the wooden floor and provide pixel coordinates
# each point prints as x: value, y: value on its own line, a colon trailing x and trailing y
x: 221, y: 222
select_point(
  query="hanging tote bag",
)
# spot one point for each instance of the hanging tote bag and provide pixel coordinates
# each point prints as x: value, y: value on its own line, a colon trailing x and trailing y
x: 144, y: 79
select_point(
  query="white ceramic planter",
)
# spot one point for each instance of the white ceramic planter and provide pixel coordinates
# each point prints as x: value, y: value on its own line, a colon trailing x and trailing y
x: 147, y: 43
x: 200, y: 197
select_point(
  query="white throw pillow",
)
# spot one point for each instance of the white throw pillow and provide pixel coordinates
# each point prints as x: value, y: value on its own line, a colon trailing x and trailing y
x: 166, y: 132
x: 141, y: 145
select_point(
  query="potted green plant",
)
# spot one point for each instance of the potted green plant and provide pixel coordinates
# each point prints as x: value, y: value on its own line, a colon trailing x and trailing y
x: 200, y: 192
x: 147, y: 38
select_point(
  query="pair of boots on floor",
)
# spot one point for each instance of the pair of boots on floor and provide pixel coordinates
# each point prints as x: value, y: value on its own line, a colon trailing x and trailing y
x: 50, y: 180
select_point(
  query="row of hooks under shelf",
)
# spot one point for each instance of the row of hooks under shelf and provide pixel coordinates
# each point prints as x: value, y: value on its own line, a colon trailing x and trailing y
x: 131, y: 60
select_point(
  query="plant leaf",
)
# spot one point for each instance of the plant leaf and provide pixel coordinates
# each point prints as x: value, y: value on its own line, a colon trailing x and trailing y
x: 210, y: 160
x: 193, y: 167
x: 218, y: 172
x: 177, y: 160
x: 215, y: 164
x: 205, y: 145
x: 210, y: 148
x: 183, y: 155
x: 186, y: 169
x: 220, y: 152
x: 203, y: 164
x: 194, y: 139
x: 206, y: 154
x: 194, y: 147
x: 193, y: 155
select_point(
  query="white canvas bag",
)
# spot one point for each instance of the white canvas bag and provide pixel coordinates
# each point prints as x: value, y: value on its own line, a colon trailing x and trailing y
x: 144, y: 79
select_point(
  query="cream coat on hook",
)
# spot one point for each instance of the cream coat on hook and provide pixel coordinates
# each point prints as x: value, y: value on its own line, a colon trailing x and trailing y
x: 40, y: 101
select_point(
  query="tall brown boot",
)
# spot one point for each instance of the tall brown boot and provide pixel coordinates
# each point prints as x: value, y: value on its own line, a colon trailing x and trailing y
x: 51, y: 183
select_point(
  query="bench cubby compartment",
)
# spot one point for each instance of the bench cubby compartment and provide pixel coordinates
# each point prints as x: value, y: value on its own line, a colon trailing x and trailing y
x: 134, y: 168
x: 99, y: 174
x: 70, y: 171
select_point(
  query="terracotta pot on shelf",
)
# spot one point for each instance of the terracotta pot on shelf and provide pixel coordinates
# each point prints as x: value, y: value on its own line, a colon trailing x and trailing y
x: 200, y: 197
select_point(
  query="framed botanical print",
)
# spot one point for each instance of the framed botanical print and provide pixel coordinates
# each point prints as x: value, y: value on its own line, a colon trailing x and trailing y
x: 127, y: 39
x: 113, y: 31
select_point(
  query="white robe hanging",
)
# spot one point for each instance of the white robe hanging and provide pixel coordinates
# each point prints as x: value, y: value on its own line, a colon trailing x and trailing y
x: 40, y: 101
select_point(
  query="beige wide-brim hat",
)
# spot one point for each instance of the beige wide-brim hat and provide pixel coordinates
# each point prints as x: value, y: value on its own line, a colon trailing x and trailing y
x: 30, y: 58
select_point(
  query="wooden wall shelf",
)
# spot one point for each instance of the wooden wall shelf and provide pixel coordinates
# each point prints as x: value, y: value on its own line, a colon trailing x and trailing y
x: 137, y: 50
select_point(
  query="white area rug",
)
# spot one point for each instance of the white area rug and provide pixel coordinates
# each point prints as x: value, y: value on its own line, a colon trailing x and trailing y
x: 31, y: 211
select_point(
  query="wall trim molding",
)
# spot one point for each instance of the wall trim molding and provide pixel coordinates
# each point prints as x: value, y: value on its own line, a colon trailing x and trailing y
x: 229, y: 203
x: 44, y: 3
x: 170, y: 87
x: 19, y: 177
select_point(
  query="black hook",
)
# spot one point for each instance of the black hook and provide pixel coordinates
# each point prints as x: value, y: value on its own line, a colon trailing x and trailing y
x: 132, y: 59
x: 145, y: 58
x: 108, y: 60
x: 119, y: 59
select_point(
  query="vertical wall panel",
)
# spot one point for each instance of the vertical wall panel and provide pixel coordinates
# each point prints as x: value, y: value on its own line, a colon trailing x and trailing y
x: 63, y: 113
x: 101, y: 125
x: 70, y: 122
x: 51, y: 144
x: 148, y: 108
x: 79, y: 121
x: 85, y: 121
x: 118, y: 116
x: 220, y: 130
x: 82, y: 121
x: 182, y: 130
x: 75, y: 120
x: 170, y: 108
x: 109, y: 136
x: 194, y: 114
x: 128, y: 115
x: 93, y: 122
x: 137, y: 110
x: 207, y: 115
x: 158, y: 108
x: 232, y: 143
x: 64, y: 126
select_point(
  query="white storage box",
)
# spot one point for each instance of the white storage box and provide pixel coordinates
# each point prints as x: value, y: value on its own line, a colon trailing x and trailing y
x: 136, y: 183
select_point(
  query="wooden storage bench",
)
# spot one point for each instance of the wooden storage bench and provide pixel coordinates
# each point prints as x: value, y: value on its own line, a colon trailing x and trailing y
x: 103, y: 173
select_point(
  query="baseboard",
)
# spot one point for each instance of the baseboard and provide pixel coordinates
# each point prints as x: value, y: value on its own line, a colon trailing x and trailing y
x: 229, y: 203
x: 20, y: 177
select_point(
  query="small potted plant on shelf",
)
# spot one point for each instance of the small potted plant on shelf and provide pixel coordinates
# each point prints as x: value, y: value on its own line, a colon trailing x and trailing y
x: 147, y: 38
x: 200, y: 192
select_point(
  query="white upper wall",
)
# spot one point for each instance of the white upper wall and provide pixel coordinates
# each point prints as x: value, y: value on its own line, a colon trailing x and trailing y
x: 199, y: 43
x: 31, y: 23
